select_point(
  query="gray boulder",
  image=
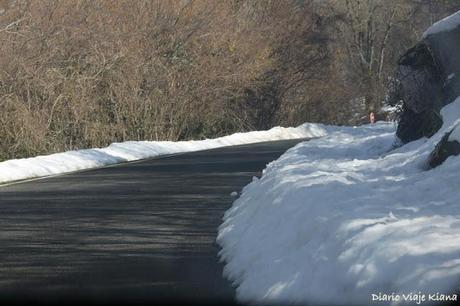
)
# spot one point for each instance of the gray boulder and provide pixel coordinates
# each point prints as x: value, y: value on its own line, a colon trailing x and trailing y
x: 428, y: 78
x: 445, y: 148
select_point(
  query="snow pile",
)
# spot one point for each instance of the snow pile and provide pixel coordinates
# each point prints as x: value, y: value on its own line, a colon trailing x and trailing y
x: 447, y: 24
x: 340, y: 218
x: 39, y: 166
x: 455, y: 135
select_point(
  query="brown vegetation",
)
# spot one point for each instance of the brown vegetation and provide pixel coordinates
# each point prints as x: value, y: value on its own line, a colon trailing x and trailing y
x: 84, y: 73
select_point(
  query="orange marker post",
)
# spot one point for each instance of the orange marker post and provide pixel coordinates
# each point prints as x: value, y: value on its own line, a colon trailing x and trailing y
x: 372, y: 117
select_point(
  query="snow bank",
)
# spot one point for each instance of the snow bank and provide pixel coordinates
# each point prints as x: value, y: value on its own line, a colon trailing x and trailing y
x: 342, y: 217
x: 455, y: 135
x: 447, y: 24
x: 19, y: 169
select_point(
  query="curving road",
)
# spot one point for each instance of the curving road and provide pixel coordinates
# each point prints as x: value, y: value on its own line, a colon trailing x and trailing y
x: 136, y: 232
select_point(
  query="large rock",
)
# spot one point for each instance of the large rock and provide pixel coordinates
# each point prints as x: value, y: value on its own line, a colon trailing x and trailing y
x: 448, y: 146
x: 429, y: 78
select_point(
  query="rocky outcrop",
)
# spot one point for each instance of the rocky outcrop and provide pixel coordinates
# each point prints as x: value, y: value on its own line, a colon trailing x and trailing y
x: 428, y: 78
x: 448, y: 146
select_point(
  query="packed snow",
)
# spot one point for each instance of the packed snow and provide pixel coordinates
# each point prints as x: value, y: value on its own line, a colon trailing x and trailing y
x: 348, y: 219
x: 447, y: 24
x: 19, y: 169
x: 455, y: 135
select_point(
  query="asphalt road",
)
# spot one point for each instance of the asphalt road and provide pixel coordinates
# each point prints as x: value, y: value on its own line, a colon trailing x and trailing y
x: 137, y: 232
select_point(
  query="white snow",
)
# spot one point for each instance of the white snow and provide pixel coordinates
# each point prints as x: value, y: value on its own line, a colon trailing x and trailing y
x: 443, y: 25
x: 19, y: 169
x: 390, y: 109
x: 339, y: 218
x: 234, y: 194
x: 455, y: 135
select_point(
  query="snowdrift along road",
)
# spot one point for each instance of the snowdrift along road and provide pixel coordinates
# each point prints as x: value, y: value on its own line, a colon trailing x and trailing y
x: 338, y: 219
x: 19, y: 169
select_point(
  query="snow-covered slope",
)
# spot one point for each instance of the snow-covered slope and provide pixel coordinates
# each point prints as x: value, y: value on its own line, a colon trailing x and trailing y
x: 19, y: 169
x: 449, y: 23
x: 340, y: 218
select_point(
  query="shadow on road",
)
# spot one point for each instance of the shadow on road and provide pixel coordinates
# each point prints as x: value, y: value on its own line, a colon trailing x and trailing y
x: 137, y: 232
